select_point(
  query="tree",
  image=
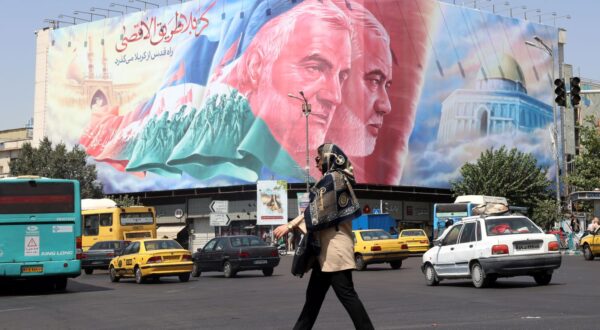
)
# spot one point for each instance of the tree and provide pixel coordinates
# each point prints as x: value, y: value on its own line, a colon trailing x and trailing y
x: 586, y: 175
x: 57, y: 162
x: 125, y: 200
x: 544, y: 213
x: 511, y: 174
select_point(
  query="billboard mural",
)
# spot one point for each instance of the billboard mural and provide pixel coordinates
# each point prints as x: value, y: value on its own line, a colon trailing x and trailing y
x: 196, y: 94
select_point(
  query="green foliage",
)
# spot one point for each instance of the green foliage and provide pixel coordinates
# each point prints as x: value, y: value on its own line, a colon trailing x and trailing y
x: 125, y: 200
x: 544, y: 213
x: 586, y: 174
x: 511, y: 174
x: 58, y: 162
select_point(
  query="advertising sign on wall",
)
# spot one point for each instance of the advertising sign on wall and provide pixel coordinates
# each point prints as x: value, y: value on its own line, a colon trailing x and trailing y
x: 196, y: 94
x: 272, y: 202
x: 303, y: 201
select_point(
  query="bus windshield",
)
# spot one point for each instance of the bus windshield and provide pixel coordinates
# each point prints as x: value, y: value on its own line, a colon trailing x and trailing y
x: 446, y: 214
x: 34, y: 197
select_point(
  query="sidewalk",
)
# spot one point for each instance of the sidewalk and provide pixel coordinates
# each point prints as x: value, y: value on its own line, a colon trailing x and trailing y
x: 571, y: 252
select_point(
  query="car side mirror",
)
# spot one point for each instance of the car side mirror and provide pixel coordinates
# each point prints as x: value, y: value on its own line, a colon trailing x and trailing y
x: 438, y: 242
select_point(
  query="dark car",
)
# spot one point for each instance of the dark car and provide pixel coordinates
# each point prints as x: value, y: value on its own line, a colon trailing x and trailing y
x: 232, y: 254
x: 100, y: 254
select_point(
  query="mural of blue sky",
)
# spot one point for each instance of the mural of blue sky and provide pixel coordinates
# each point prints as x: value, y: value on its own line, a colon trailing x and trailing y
x: 475, y: 69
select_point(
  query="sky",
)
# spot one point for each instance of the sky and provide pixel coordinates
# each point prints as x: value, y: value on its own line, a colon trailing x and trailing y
x: 20, y: 19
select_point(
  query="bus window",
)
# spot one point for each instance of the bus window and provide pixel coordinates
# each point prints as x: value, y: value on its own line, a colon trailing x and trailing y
x: 91, y: 224
x: 106, y: 220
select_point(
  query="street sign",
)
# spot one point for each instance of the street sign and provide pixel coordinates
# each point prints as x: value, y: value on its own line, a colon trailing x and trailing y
x: 219, y: 219
x: 219, y: 206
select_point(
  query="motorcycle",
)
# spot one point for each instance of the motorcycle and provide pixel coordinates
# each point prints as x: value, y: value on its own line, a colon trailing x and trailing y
x: 281, y: 248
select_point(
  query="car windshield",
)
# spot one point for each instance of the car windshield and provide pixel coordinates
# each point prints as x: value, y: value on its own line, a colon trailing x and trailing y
x: 374, y: 235
x: 508, y: 226
x: 246, y: 241
x: 161, y: 245
x: 412, y: 233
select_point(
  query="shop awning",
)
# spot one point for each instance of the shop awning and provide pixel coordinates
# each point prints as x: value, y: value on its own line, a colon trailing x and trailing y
x: 168, y: 231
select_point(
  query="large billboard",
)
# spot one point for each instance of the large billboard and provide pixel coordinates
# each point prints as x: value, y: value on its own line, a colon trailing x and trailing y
x: 197, y: 94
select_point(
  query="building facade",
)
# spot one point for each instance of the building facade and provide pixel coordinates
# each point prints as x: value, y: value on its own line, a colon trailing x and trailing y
x: 11, y: 142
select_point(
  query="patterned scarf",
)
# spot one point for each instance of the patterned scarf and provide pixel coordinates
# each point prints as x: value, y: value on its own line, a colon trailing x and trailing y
x: 332, y: 198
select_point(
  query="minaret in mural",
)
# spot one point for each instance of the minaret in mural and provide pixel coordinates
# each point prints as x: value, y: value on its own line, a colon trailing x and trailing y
x: 90, y: 47
x: 499, y: 103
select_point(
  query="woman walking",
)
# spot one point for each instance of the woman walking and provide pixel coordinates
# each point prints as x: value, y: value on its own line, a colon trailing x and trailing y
x: 332, y: 200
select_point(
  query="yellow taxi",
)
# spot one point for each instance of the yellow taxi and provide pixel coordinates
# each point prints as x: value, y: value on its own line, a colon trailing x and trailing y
x: 416, y: 239
x: 376, y: 246
x: 590, y: 244
x: 152, y: 258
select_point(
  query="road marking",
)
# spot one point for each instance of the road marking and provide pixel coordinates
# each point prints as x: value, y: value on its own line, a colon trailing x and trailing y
x: 15, y: 309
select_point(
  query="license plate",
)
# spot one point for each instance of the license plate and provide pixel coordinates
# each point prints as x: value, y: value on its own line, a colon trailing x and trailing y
x: 532, y: 246
x: 260, y: 262
x: 32, y: 269
x: 171, y: 258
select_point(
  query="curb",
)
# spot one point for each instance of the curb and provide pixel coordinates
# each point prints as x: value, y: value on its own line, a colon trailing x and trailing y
x: 571, y: 253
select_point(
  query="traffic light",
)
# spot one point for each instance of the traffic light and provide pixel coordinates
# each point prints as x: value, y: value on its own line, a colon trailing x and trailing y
x: 575, y: 90
x: 561, y: 92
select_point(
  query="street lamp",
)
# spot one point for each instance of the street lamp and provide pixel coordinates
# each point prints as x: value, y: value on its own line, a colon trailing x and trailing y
x: 108, y: 11
x: 77, y: 12
x: 557, y: 17
x: 146, y: 3
x: 73, y: 17
x: 511, y: 9
x: 112, y: 4
x: 306, y: 111
x: 540, y: 44
x: 528, y: 11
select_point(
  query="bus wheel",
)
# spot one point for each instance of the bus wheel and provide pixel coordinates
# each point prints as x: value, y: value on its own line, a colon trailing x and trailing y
x: 113, y: 274
x: 60, y: 284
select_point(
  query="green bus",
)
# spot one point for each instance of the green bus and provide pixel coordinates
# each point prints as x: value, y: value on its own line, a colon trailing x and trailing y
x: 40, y: 229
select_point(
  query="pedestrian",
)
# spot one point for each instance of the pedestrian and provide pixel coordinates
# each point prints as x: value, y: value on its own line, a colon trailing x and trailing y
x: 594, y: 225
x: 336, y: 256
x: 574, y: 224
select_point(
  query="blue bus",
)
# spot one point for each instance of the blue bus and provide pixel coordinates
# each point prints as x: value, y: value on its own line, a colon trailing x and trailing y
x: 40, y: 229
x: 446, y: 214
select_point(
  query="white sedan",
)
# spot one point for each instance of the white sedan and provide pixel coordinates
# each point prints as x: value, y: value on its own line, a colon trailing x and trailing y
x: 485, y: 248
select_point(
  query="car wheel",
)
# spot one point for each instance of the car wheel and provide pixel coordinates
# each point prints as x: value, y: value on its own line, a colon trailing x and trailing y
x: 184, y: 277
x: 88, y: 271
x: 267, y: 271
x: 139, y: 279
x: 195, y: 270
x: 60, y: 284
x: 228, y: 270
x: 478, y: 276
x: 587, y: 253
x: 396, y: 264
x: 430, y: 276
x: 113, y: 274
x: 542, y: 278
x: 360, y: 262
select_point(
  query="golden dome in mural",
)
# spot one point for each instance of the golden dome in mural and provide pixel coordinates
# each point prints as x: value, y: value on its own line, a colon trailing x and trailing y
x: 507, y: 69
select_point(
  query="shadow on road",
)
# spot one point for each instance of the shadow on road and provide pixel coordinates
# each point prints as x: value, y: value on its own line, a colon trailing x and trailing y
x: 43, y: 287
